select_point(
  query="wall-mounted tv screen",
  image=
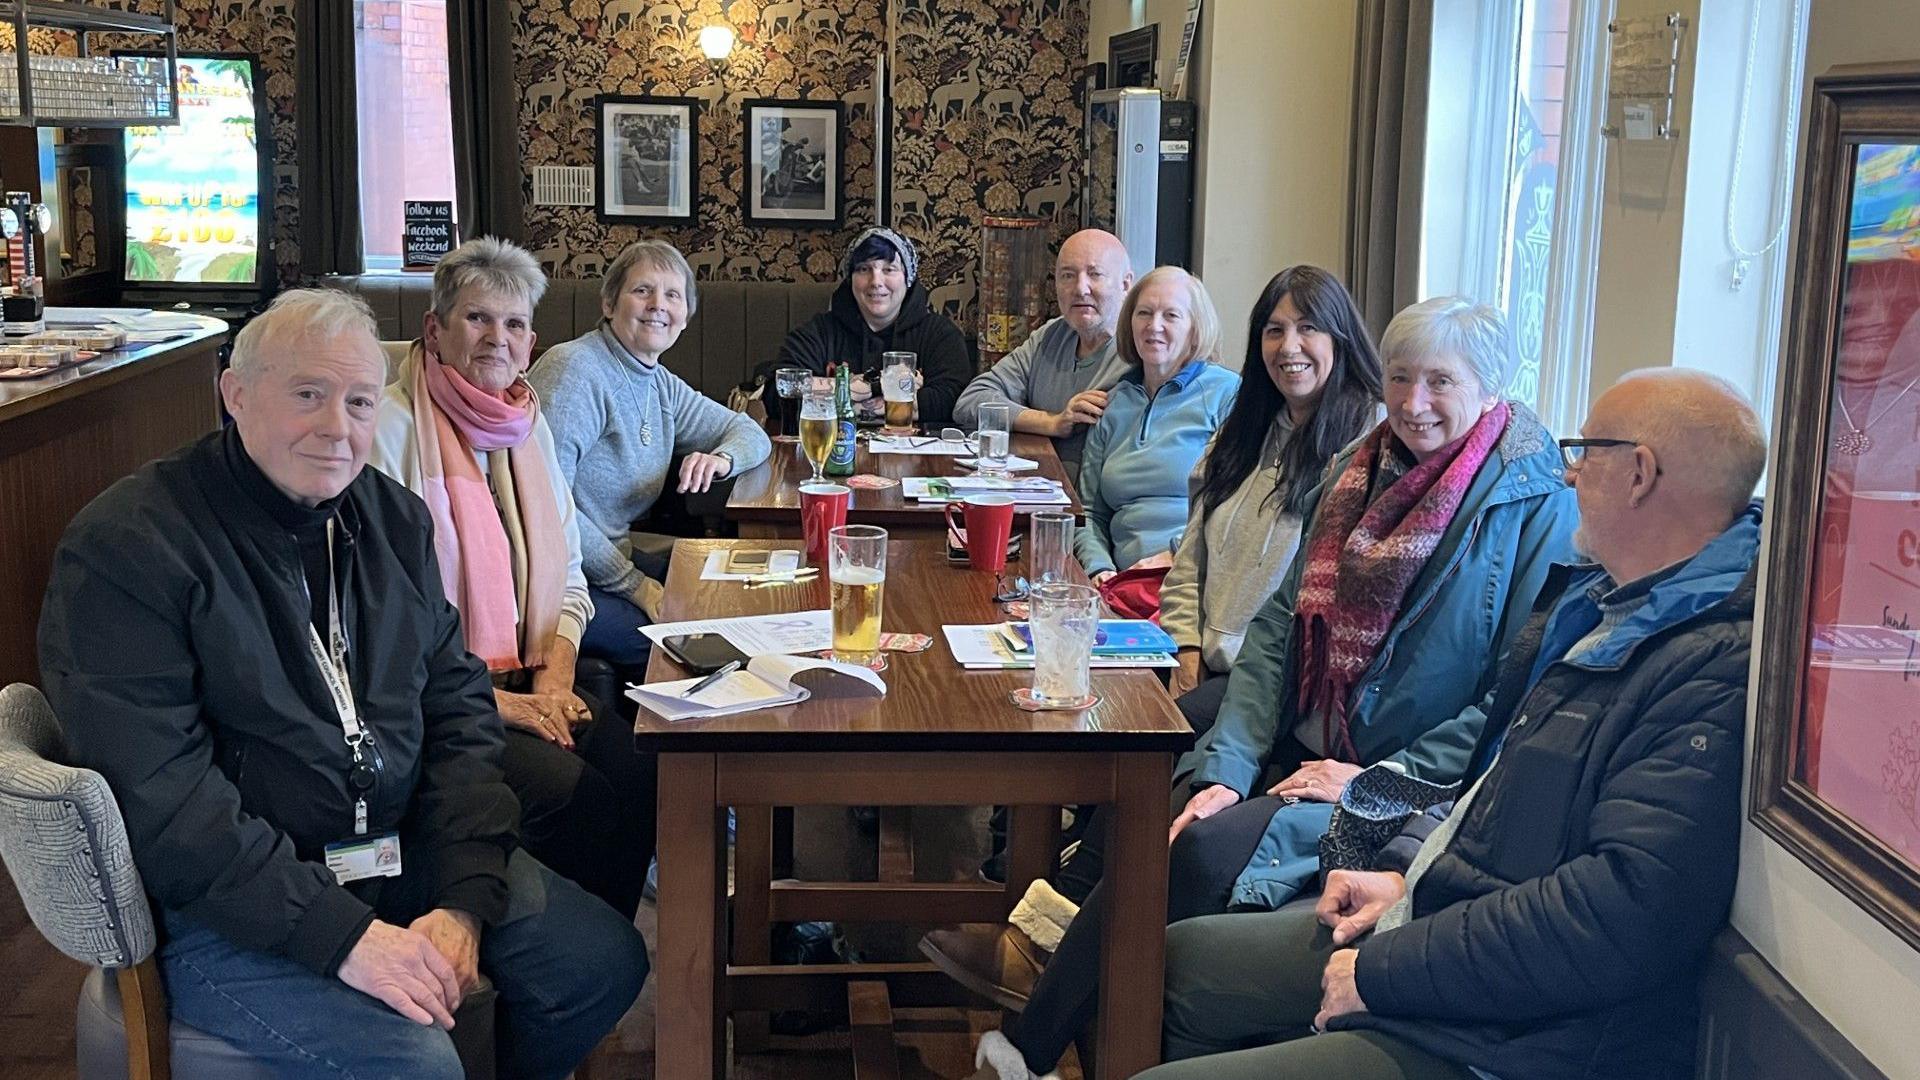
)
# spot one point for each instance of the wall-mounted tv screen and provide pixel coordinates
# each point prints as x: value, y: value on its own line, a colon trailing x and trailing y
x: 194, y: 189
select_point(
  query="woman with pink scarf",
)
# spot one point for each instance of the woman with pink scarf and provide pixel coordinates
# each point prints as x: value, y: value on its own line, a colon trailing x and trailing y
x: 461, y: 428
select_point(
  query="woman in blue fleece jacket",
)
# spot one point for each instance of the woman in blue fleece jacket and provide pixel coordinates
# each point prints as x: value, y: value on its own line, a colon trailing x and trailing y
x: 1133, y: 474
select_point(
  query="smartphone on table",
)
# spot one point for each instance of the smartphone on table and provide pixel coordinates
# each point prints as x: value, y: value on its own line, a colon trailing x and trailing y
x: 702, y: 654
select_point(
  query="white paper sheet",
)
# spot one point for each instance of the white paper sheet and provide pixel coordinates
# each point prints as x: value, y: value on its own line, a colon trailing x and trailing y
x: 980, y: 648
x: 758, y: 635
x: 918, y: 444
x: 1014, y: 463
x: 780, y: 562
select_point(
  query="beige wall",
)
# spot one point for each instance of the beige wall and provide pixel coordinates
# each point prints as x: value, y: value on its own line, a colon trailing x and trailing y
x: 1643, y: 213
x: 1859, y: 975
x: 1271, y: 176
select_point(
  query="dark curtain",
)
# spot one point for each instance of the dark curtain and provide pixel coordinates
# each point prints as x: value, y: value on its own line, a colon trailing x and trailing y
x: 486, y: 120
x: 1393, y: 54
x: 329, y: 138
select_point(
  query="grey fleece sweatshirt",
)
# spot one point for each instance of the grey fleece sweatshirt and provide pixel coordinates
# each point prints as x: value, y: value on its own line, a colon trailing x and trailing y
x: 617, y: 426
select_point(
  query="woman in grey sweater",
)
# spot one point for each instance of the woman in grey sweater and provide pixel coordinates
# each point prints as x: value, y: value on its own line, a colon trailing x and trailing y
x: 619, y: 419
x: 1310, y: 385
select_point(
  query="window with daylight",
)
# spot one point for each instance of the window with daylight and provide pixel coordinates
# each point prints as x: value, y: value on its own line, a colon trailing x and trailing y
x: 1511, y: 181
x: 405, y: 117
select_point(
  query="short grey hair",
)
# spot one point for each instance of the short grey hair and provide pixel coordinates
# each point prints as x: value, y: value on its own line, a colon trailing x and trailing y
x: 1709, y: 424
x: 311, y: 313
x: 492, y: 264
x: 654, y: 255
x: 1455, y: 326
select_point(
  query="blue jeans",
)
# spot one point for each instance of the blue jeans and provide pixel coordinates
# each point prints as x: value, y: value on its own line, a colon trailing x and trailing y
x: 566, y: 968
x: 613, y: 635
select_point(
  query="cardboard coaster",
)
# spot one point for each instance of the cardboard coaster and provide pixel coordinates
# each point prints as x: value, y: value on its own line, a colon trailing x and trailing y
x: 868, y: 481
x: 879, y: 658
x: 1024, y: 698
x: 906, y: 642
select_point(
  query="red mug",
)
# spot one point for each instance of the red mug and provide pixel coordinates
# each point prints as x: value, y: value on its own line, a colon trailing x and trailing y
x: 823, y: 508
x: 989, y: 522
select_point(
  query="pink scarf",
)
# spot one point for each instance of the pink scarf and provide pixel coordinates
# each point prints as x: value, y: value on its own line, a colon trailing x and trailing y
x: 504, y: 567
x: 1362, y: 558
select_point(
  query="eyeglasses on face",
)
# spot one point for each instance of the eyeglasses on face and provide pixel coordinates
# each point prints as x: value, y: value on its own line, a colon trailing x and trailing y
x: 1574, y: 451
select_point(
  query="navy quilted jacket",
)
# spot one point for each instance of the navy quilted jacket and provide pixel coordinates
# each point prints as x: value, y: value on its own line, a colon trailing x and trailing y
x: 1560, y: 934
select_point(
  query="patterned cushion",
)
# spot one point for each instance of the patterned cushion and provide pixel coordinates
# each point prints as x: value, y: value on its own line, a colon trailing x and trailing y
x: 64, y: 842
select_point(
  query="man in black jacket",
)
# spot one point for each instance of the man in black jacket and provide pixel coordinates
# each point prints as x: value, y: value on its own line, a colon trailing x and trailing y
x: 248, y: 639
x: 1550, y: 923
x: 879, y: 307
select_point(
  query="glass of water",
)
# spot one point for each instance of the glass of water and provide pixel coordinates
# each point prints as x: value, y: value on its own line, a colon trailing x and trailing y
x: 996, y: 425
x: 1049, y: 544
x: 1065, y: 619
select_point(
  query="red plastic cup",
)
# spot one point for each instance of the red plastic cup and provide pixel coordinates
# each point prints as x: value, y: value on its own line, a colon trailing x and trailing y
x: 989, y: 521
x: 823, y: 508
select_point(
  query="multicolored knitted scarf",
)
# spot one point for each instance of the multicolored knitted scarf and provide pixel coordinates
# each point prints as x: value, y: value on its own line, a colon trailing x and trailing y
x: 1362, y: 559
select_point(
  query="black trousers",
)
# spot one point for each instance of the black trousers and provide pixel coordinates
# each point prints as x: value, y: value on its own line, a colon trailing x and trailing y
x: 588, y: 813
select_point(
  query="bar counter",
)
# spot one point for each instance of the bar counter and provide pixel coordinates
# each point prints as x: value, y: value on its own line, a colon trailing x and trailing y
x: 65, y: 437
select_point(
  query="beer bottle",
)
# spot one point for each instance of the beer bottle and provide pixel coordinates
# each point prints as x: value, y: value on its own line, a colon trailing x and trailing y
x: 840, y: 462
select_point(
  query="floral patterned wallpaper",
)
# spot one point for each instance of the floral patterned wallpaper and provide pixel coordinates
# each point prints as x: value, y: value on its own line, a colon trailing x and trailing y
x: 985, y: 118
x: 985, y: 121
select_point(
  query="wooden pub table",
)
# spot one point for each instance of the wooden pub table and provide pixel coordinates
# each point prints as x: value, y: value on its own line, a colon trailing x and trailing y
x: 942, y: 736
x: 765, y: 501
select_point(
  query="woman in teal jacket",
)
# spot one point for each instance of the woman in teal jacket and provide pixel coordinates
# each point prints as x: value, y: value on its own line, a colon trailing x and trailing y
x: 1428, y: 541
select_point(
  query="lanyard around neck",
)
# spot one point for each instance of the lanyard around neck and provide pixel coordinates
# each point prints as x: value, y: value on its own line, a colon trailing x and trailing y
x: 331, y: 658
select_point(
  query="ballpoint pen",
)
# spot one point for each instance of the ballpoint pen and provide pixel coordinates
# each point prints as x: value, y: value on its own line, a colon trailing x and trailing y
x: 727, y: 669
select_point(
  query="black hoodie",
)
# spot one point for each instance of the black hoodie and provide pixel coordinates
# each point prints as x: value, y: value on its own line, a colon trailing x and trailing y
x: 841, y: 335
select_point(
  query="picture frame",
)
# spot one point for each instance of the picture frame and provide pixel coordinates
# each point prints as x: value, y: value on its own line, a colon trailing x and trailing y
x: 794, y: 154
x: 1836, y: 768
x: 1132, y: 57
x: 646, y: 153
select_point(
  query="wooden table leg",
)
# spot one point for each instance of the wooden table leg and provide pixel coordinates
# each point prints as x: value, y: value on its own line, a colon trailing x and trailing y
x: 1133, y: 952
x: 752, y: 930
x: 689, y: 1025
x: 1033, y: 845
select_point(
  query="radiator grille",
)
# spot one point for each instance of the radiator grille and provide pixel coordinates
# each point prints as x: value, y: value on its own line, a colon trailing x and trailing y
x: 562, y: 185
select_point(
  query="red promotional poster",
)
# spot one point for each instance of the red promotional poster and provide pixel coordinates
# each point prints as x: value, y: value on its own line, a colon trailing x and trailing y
x: 1860, y: 727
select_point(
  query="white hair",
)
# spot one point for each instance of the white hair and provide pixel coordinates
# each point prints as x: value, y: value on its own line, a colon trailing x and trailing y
x: 1455, y: 326
x: 492, y: 264
x: 1707, y: 429
x: 310, y: 313
x: 655, y: 255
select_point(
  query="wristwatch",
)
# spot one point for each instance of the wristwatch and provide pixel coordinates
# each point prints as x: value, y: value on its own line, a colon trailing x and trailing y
x: 729, y: 457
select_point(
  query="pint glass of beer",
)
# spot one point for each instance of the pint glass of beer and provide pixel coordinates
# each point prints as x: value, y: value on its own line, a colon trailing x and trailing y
x: 900, y: 387
x: 857, y: 569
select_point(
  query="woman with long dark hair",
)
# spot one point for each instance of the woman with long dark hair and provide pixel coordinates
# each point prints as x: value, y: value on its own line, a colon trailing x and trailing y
x: 1310, y: 386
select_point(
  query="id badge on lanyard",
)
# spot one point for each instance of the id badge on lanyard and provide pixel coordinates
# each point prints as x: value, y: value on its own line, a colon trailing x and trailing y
x: 331, y: 657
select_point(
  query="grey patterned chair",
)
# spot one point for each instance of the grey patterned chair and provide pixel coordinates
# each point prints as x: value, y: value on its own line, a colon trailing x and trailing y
x: 65, y: 846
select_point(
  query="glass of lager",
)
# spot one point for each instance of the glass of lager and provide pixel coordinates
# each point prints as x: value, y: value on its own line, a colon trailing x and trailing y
x: 900, y: 387
x: 857, y: 569
x: 817, y: 422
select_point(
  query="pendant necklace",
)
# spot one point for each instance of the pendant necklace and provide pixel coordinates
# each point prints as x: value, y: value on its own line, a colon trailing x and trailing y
x: 1855, y: 441
x: 626, y: 383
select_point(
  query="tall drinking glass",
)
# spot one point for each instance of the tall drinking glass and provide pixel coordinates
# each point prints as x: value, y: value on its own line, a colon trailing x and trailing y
x: 817, y: 423
x: 790, y: 383
x: 1049, y: 544
x: 900, y: 387
x: 996, y: 425
x: 857, y: 569
x: 1065, y: 620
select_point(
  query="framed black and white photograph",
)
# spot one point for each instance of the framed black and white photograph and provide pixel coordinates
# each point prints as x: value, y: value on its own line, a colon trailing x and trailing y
x: 647, y: 149
x: 793, y: 156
